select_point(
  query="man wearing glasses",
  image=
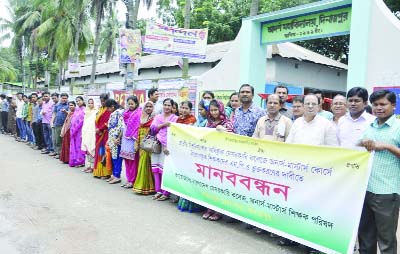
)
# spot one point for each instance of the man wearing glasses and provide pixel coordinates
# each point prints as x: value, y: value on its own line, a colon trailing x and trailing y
x: 311, y: 128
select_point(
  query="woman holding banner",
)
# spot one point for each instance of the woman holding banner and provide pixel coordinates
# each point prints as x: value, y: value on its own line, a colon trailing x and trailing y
x: 187, y: 118
x: 218, y: 120
x: 202, y: 117
x: 144, y: 183
x: 159, y: 128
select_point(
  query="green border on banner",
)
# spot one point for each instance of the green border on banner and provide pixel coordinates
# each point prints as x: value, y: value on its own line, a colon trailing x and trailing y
x: 327, y: 23
x: 290, y: 190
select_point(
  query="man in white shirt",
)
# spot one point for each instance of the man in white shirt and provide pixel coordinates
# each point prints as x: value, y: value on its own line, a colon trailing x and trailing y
x: 19, y: 117
x: 353, y: 124
x: 312, y: 129
x: 153, y: 96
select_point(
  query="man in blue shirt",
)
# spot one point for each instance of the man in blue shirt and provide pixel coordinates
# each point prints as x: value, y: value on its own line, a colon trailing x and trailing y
x: 247, y: 115
x: 380, y: 212
x: 59, y: 114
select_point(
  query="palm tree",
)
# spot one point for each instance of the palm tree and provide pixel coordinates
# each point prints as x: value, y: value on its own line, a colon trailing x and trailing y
x: 7, y: 71
x: 98, y: 8
x: 185, y: 68
x: 108, y: 36
x: 132, y: 7
x: 255, y: 4
x: 57, y: 32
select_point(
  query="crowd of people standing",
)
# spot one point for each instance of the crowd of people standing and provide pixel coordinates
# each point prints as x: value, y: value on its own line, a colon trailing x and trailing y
x: 101, y: 139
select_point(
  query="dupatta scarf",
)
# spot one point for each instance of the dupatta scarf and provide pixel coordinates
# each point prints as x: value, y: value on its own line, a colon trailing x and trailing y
x: 132, y: 122
x: 223, y: 120
x: 187, y: 120
x: 89, y: 131
x: 67, y: 124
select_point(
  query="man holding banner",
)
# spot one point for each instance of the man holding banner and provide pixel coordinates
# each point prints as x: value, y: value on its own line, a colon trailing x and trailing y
x: 380, y: 212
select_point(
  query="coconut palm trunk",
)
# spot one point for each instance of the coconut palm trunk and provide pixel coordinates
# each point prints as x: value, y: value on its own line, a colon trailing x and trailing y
x: 99, y: 16
x: 185, y: 68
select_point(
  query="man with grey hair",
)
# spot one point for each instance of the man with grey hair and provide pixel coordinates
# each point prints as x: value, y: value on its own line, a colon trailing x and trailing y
x: 312, y: 129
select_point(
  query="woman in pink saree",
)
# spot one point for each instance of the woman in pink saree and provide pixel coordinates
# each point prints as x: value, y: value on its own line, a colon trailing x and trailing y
x: 159, y: 128
x: 129, y: 146
x: 76, y: 155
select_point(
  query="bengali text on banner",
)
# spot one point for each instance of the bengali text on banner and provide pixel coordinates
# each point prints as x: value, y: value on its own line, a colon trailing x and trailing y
x: 312, y: 195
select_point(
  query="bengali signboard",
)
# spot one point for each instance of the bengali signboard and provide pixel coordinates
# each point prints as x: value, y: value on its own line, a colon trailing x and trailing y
x: 130, y: 45
x: 166, y: 40
x: 396, y: 90
x: 326, y: 23
x: 74, y: 68
x: 121, y: 95
x: 290, y: 190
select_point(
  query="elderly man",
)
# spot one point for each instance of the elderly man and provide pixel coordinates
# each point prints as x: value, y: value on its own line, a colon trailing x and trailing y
x: 283, y: 92
x: 312, y: 129
x: 274, y: 126
x: 326, y: 114
x: 380, y: 214
x: 338, y: 107
x: 353, y: 124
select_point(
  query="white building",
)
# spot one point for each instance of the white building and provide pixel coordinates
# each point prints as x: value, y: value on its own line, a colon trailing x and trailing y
x: 287, y: 63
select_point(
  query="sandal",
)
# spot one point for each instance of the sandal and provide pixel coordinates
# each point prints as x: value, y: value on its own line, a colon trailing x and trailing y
x: 114, y: 181
x: 162, y: 198
x: 109, y: 179
x: 207, y: 214
x: 127, y: 186
x: 216, y: 216
x: 157, y: 196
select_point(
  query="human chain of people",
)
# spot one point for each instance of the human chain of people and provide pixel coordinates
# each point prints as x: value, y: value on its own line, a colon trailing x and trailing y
x: 100, y: 139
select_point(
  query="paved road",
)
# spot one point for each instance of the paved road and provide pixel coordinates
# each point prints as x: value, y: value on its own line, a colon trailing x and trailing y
x: 47, y: 207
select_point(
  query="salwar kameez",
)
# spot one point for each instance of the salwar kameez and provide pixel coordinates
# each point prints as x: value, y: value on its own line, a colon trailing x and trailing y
x: 115, y: 127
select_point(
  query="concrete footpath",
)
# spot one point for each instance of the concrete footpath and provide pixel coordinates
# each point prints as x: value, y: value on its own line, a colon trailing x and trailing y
x: 47, y: 207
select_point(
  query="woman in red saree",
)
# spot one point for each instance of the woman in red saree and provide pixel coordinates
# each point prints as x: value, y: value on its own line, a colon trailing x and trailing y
x: 102, y: 169
x: 66, y: 134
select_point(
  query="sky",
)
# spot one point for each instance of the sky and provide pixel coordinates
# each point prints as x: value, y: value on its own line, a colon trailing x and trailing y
x: 121, y: 10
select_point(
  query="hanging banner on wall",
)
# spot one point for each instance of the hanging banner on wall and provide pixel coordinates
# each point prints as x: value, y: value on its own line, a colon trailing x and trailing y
x: 181, y: 90
x: 290, y: 190
x: 329, y: 23
x: 130, y: 45
x: 165, y: 40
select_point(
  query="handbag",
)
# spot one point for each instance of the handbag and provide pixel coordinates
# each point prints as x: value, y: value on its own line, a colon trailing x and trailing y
x: 150, y: 144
